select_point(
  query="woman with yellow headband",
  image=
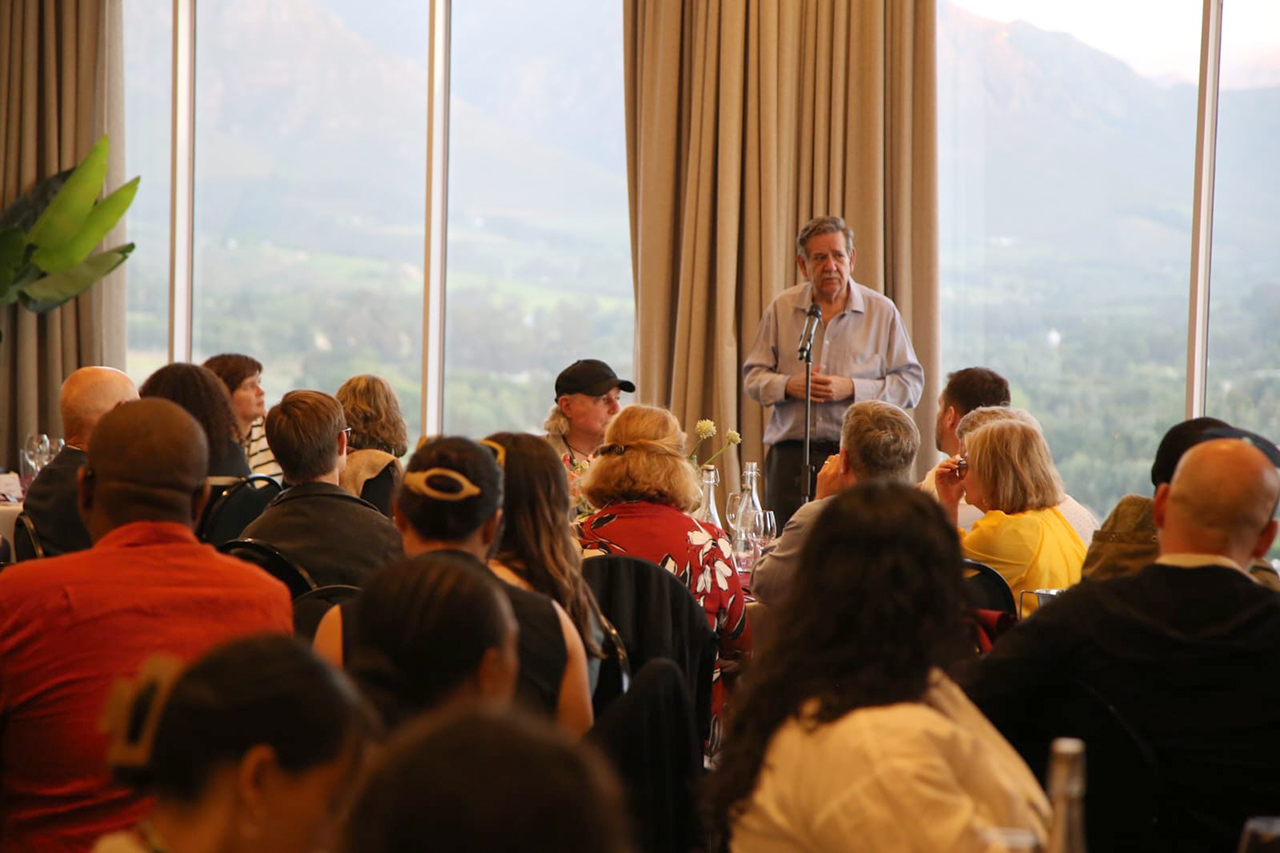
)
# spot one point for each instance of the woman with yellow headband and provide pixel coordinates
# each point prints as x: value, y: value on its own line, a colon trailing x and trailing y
x: 451, y: 500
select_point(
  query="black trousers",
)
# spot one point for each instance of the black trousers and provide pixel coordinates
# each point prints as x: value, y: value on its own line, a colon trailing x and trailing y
x: 782, y: 485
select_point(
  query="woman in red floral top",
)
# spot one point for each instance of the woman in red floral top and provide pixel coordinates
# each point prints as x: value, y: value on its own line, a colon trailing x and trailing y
x: 645, y: 486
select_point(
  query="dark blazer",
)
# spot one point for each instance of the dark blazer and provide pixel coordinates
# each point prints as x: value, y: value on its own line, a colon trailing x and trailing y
x: 1189, y: 659
x: 334, y: 535
x: 51, y: 504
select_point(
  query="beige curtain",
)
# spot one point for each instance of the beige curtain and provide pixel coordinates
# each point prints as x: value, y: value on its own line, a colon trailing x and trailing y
x: 746, y: 118
x: 61, y: 76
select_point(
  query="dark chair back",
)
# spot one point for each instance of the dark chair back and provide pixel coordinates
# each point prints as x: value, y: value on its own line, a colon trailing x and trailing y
x: 26, y: 542
x: 6, y: 552
x: 650, y: 737
x: 987, y: 589
x: 272, y: 562
x: 310, y: 607
x: 657, y: 617
x: 230, y: 513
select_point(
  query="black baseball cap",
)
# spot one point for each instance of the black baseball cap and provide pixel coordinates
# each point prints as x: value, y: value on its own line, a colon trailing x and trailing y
x: 590, y: 376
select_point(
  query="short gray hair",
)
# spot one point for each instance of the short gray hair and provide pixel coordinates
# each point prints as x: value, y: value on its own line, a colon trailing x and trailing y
x: 823, y: 225
x: 880, y: 441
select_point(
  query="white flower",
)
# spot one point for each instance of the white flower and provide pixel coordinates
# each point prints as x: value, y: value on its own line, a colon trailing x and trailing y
x: 722, y: 574
x: 733, y: 437
x: 705, y: 428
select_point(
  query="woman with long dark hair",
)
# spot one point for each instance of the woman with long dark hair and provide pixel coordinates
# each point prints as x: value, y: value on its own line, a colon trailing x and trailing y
x: 199, y: 390
x: 537, y: 549
x: 846, y: 734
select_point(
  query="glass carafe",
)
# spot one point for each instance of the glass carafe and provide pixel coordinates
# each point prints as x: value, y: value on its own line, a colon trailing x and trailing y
x: 707, y: 512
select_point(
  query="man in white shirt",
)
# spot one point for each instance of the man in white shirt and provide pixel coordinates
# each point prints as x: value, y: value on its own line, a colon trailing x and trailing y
x: 861, y: 351
x: 966, y: 390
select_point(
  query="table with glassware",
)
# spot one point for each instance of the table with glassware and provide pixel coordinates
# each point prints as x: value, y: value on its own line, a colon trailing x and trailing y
x: 751, y: 528
x: 36, y: 452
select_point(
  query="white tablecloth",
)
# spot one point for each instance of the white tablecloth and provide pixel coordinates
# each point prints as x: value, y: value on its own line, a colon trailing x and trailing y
x: 8, y: 517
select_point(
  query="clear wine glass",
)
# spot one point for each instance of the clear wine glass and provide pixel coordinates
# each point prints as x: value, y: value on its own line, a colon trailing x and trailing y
x: 744, y: 550
x: 1261, y: 835
x: 764, y: 529
x: 733, y: 509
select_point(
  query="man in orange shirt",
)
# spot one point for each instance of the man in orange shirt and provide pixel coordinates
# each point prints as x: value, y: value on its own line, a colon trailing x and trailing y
x: 70, y: 626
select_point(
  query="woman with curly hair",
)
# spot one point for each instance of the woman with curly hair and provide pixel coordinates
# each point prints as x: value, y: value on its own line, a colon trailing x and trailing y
x: 846, y: 733
x: 379, y: 437
x: 199, y: 390
x: 645, y: 487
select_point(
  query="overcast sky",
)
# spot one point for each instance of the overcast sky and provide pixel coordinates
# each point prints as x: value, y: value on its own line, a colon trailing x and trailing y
x: 1159, y: 38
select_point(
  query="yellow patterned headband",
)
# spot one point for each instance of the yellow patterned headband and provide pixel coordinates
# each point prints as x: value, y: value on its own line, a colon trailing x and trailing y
x: 416, y: 482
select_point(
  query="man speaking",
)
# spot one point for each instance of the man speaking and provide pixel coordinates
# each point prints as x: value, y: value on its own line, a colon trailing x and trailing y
x: 860, y: 352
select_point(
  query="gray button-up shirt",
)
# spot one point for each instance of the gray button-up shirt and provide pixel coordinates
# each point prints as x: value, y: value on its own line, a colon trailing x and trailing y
x: 866, y: 342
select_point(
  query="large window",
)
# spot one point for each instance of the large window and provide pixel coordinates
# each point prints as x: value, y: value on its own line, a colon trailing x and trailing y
x: 148, y: 50
x: 309, y: 191
x: 538, y: 258
x: 1066, y: 156
x: 1244, y: 313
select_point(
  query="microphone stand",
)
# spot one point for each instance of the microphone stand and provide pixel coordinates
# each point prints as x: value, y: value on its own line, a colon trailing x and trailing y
x: 807, y: 493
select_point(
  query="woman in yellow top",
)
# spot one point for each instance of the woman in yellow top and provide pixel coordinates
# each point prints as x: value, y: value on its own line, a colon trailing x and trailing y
x: 1010, y: 477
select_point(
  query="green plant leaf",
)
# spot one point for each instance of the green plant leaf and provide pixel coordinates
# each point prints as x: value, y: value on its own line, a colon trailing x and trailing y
x: 12, y: 245
x: 24, y: 212
x: 62, y: 220
x: 101, y: 219
x: 56, y: 288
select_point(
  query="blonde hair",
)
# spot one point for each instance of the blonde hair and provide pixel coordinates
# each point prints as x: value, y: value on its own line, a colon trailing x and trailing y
x: 1013, y: 461
x: 643, y: 459
x: 984, y: 415
x: 373, y: 413
x: 556, y: 422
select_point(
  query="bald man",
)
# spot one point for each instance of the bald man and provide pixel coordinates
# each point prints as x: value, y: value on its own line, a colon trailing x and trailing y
x: 71, y: 626
x: 87, y: 395
x: 1186, y: 651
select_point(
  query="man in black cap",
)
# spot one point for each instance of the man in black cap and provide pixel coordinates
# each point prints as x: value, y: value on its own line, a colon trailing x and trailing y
x: 586, y: 400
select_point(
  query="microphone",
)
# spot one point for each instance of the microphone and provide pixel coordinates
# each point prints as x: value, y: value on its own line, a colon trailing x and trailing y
x: 811, y: 321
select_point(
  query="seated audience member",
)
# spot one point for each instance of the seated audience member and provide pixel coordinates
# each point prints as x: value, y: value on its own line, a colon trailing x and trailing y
x: 1080, y: 519
x: 847, y: 735
x: 199, y: 390
x: 249, y: 749
x: 51, y: 501
x: 1022, y: 534
x: 967, y: 389
x: 71, y: 625
x: 1126, y: 542
x: 379, y: 437
x: 586, y: 400
x: 335, y: 536
x: 878, y: 442
x: 451, y: 500
x: 242, y: 375
x: 1184, y: 651
x: 433, y: 631
x: 485, y: 781
x: 537, y: 550
x: 645, y: 488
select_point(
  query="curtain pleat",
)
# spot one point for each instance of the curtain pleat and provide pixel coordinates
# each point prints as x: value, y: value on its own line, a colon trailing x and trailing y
x: 745, y: 120
x: 61, y: 79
